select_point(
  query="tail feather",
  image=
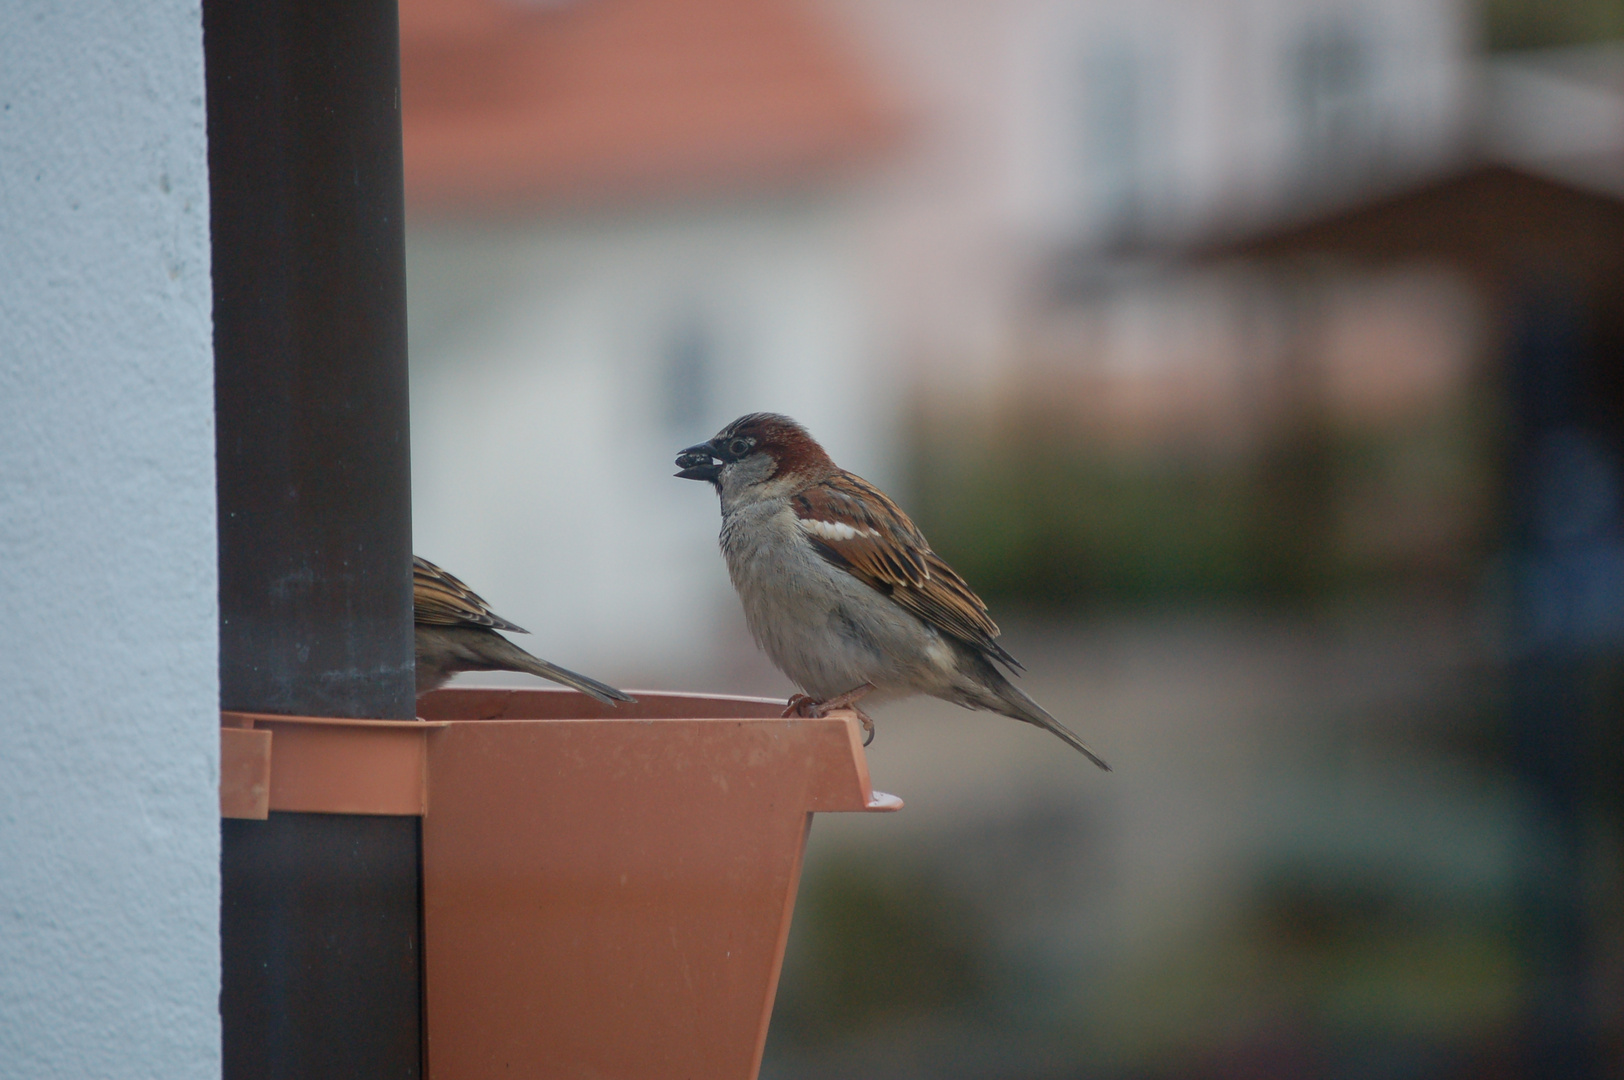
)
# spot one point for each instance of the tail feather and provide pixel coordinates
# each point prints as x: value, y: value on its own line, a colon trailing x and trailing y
x: 1013, y: 702
x: 586, y: 685
x: 465, y: 648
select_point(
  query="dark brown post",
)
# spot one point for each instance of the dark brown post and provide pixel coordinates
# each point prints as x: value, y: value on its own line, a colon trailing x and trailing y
x: 320, y: 929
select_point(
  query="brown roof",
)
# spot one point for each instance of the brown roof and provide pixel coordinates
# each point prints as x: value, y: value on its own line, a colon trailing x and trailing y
x: 508, y: 101
x: 1500, y: 224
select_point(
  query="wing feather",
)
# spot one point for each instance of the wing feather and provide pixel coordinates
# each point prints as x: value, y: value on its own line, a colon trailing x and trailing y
x: 440, y: 599
x: 857, y: 528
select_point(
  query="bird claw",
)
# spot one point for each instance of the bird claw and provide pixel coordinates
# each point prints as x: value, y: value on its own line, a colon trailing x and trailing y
x: 809, y: 707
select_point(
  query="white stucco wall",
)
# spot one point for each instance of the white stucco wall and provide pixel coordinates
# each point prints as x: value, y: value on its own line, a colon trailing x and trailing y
x: 109, y: 817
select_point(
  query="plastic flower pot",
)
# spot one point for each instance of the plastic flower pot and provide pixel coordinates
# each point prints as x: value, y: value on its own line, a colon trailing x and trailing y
x: 606, y: 891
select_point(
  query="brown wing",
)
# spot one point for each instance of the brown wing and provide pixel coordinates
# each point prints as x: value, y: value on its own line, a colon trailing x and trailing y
x: 858, y: 529
x: 439, y: 599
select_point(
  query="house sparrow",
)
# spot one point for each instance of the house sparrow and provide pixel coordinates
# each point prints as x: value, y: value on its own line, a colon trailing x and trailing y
x: 841, y: 589
x: 457, y: 632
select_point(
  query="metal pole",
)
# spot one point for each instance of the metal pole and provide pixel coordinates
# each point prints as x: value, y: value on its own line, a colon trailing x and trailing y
x: 320, y: 926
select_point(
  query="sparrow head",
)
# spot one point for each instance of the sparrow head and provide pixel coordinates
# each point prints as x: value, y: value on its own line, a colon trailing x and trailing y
x: 753, y: 450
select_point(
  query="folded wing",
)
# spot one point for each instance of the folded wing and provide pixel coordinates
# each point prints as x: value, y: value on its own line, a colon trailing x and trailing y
x: 855, y: 527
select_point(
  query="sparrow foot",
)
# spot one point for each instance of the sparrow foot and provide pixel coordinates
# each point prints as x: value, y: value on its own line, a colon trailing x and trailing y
x: 848, y: 700
x: 805, y: 705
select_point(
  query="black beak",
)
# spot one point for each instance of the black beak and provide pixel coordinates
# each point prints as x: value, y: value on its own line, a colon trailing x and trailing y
x: 699, y: 462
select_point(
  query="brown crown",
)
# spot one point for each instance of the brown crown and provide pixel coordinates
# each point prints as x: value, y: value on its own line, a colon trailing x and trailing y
x: 795, y: 451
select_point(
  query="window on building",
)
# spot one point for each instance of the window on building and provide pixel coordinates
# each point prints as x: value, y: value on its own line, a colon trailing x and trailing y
x: 689, y: 364
x: 1119, y: 132
x: 1330, y: 80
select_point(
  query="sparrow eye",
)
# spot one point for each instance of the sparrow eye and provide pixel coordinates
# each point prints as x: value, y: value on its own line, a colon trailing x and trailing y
x: 739, y: 447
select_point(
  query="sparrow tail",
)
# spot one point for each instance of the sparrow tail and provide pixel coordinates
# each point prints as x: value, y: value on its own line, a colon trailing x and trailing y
x: 500, y: 654
x: 1014, y: 703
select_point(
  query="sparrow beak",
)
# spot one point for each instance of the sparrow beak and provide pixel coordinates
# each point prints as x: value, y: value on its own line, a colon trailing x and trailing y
x: 699, y: 463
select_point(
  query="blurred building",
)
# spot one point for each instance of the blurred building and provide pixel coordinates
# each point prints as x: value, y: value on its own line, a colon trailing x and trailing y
x: 632, y: 220
x: 1048, y: 126
x: 1354, y: 361
x: 1146, y: 348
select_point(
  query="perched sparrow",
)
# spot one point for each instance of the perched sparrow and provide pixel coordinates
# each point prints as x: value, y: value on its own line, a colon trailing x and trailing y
x: 841, y: 589
x: 457, y: 632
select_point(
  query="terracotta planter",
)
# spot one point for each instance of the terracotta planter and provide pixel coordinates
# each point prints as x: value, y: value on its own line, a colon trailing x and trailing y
x: 606, y: 892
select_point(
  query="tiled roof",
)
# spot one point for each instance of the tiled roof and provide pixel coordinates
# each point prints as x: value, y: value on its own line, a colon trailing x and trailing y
x: 585, y: 101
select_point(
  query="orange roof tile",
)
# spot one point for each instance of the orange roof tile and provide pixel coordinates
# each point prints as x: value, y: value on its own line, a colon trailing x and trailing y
x: 507, y: 101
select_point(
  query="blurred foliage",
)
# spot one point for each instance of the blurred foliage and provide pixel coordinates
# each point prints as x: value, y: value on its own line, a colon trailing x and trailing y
x: 1032, y: 509
x: 875, y: 944
x: 1314, y: 969
x: 899, y: 957
x: 1534, y: 24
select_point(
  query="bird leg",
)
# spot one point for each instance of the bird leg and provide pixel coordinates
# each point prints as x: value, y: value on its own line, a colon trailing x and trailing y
x: 843, y: 701
x: 807, y: 706
x: 847, y: 700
